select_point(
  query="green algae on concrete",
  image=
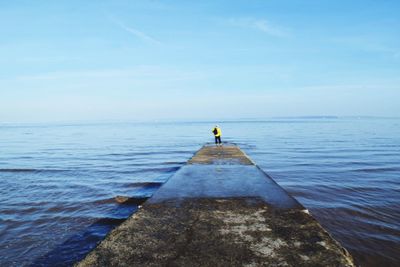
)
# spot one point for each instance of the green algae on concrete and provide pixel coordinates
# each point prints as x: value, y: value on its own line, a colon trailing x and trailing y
x: 192, y: 221
x: 227, y: 154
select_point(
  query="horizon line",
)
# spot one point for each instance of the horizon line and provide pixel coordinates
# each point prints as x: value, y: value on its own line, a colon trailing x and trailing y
x: 185, y: 120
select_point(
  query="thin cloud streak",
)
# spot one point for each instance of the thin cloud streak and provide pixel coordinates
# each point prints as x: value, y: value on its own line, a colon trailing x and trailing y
x: 137, y: 33
x: 260, y: 25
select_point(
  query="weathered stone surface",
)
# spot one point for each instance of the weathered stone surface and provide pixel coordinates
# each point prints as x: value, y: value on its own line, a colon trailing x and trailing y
x: 130, y: 200
x: 218, y: 232
x: 219, y: 210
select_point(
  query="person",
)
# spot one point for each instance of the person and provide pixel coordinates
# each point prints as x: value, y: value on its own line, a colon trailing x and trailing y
x: 217, y: 134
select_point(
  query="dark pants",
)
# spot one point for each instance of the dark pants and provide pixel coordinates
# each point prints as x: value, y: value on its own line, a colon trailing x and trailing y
x: 218, y: 139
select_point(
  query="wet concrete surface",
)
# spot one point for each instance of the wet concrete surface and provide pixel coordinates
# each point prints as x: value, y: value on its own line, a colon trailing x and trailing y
x: 213, y: 181
x: 219, y: 210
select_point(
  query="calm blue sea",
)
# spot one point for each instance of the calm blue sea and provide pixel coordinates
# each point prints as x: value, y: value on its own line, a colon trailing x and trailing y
x: 58, y: 181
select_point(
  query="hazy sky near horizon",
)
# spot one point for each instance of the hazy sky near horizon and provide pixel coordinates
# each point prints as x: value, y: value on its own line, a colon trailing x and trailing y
x: 149, y: 60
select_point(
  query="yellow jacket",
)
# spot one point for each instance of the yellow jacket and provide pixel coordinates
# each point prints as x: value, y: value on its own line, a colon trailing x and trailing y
x: 218, y: 131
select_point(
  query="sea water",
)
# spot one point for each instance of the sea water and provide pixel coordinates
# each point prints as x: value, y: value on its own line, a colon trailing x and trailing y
x: 58, y: 182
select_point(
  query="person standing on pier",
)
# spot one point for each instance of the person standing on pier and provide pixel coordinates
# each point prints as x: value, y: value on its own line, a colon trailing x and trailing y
x: 217, y: 134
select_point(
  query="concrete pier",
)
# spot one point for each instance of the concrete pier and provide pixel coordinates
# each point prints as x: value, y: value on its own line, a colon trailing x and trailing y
x: 219, y: 209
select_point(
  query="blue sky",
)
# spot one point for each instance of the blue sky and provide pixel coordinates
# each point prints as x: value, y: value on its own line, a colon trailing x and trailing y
x: 155, y: 60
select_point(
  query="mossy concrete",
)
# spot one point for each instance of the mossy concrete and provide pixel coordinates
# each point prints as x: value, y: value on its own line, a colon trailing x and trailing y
x: 220, y: 210
x: 227, y: 155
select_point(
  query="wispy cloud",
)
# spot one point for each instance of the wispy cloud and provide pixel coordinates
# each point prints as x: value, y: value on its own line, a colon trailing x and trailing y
x: 137, y: 33
x: 368, y: 44
x: 261, y: 25
x: 145, y: 74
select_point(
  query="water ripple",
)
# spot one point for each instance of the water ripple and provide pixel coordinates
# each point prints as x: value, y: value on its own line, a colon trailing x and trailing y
x: 64, y: 187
